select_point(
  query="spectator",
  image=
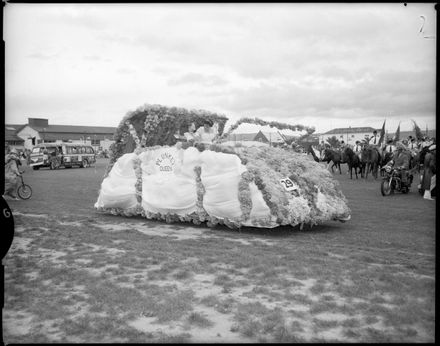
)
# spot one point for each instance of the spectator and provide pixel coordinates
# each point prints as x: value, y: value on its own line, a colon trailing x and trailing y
x: 11, y: 174
x: 429, y: 165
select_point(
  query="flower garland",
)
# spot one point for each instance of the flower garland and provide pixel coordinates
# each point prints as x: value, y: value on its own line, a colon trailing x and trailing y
x: 138, y: 185
x: 133, y: 134
x: 201, y: 212
x: 276, y: 124
x: 244, y: 195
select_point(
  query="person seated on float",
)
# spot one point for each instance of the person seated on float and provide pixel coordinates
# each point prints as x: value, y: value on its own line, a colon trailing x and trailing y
x: 190, y: 135
x: 207, y: 133
x: 401, y: 161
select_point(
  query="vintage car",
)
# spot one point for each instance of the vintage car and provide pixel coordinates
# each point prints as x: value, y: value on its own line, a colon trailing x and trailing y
x: 55, y: 155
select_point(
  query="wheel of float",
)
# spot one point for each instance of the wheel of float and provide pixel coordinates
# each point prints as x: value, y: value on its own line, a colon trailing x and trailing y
x: 24, y: 191
x: 85, y: 163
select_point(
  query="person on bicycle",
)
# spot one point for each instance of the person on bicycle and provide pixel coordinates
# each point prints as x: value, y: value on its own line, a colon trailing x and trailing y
x: 11, y: 174
x: 401, y: 161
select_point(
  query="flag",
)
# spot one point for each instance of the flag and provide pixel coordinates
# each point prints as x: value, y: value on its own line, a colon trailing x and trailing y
x: 419, y: 134
x: 382, y: 134
x: 397, y: 135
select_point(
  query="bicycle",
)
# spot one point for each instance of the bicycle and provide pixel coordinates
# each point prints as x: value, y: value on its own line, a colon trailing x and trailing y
x: 24, y: 191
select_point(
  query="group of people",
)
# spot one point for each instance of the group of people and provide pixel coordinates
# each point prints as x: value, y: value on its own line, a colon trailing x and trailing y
x: 12, y: 172
x: 204, y: 135
x: 400, y: 154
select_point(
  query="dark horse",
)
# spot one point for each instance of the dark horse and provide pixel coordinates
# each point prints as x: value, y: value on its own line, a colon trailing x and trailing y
x: 335, y: 157
x: 352, y: 160
x: 310, y: 150
x: 370, y: 159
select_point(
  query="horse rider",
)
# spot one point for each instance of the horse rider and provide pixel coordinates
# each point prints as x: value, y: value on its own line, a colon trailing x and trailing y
x: 374, y: 139
x: 357, y: 148
x: 401, y: 161
x: 412, y: 144
x: 389, y: 148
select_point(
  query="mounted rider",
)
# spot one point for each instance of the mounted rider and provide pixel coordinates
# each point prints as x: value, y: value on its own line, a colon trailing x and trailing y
x: 374, y: 139
x: 390, y: 147
x: 357, y: 148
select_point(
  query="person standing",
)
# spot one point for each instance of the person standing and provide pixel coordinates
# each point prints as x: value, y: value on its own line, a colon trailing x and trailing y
x: 429, y: 172
x: 11, y: 174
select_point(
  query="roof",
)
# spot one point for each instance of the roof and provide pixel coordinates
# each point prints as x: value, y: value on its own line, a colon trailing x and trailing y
x: 75, y: 129
x: 273, y: 136
x: 351, y: 130
x: 10, y: 135
x: 14, y: 127
x: 241, y: 136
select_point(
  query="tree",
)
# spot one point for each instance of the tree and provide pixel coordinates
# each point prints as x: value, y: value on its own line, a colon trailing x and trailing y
x: 333, y: 141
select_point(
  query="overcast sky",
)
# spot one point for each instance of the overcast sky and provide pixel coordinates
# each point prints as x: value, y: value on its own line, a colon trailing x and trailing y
x: 322, y: 65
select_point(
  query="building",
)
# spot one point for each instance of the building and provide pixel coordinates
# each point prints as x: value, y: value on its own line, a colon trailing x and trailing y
x: 38, y: 131
x: 349, y: 134
x: 11, y: 138
x: 352, y: 134
x: 271, y: 138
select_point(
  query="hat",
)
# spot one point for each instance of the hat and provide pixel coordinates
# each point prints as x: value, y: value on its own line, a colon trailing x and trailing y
x: 426, y: 144
x: 357, y: 142
x: 399, y: 145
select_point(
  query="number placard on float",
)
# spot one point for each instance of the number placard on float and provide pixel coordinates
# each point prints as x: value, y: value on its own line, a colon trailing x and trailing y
x: 288, y: 184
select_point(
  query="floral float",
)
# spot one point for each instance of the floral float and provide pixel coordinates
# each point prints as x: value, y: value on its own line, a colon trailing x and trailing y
x: 152, y: 174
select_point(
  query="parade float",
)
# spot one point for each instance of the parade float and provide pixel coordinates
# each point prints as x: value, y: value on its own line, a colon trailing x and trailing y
x: 154, y: 173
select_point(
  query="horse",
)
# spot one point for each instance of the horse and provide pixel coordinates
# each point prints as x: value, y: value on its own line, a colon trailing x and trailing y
x: 352, y: 160
x: 335, y: 157
x: 370, y: 158
x: 314, y: 152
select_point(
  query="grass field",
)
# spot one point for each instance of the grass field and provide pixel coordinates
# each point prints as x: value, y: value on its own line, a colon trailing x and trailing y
x: 74, y: 275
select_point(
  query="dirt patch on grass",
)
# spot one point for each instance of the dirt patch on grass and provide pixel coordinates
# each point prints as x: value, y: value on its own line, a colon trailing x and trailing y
x: 140, y: 281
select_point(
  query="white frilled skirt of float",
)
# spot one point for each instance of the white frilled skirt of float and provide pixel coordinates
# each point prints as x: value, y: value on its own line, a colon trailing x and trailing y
x: 178, y: 184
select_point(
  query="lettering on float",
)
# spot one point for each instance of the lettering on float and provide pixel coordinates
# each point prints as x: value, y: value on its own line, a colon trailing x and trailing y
x: 165, y: 162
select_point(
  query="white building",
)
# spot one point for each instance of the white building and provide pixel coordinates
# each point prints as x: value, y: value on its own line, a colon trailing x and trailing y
x: 349, y: 134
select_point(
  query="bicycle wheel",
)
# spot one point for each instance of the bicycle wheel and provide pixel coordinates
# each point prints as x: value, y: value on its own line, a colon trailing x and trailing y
x: 24, y: 191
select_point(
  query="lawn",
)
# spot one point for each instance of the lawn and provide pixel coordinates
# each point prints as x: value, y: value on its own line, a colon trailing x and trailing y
x: 74, y: 275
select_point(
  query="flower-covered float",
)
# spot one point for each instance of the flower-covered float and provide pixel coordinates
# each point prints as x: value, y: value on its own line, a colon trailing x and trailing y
x: 152, y: 173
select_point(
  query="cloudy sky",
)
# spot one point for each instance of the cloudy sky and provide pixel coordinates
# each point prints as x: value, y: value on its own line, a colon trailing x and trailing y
x: 322, y: 65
